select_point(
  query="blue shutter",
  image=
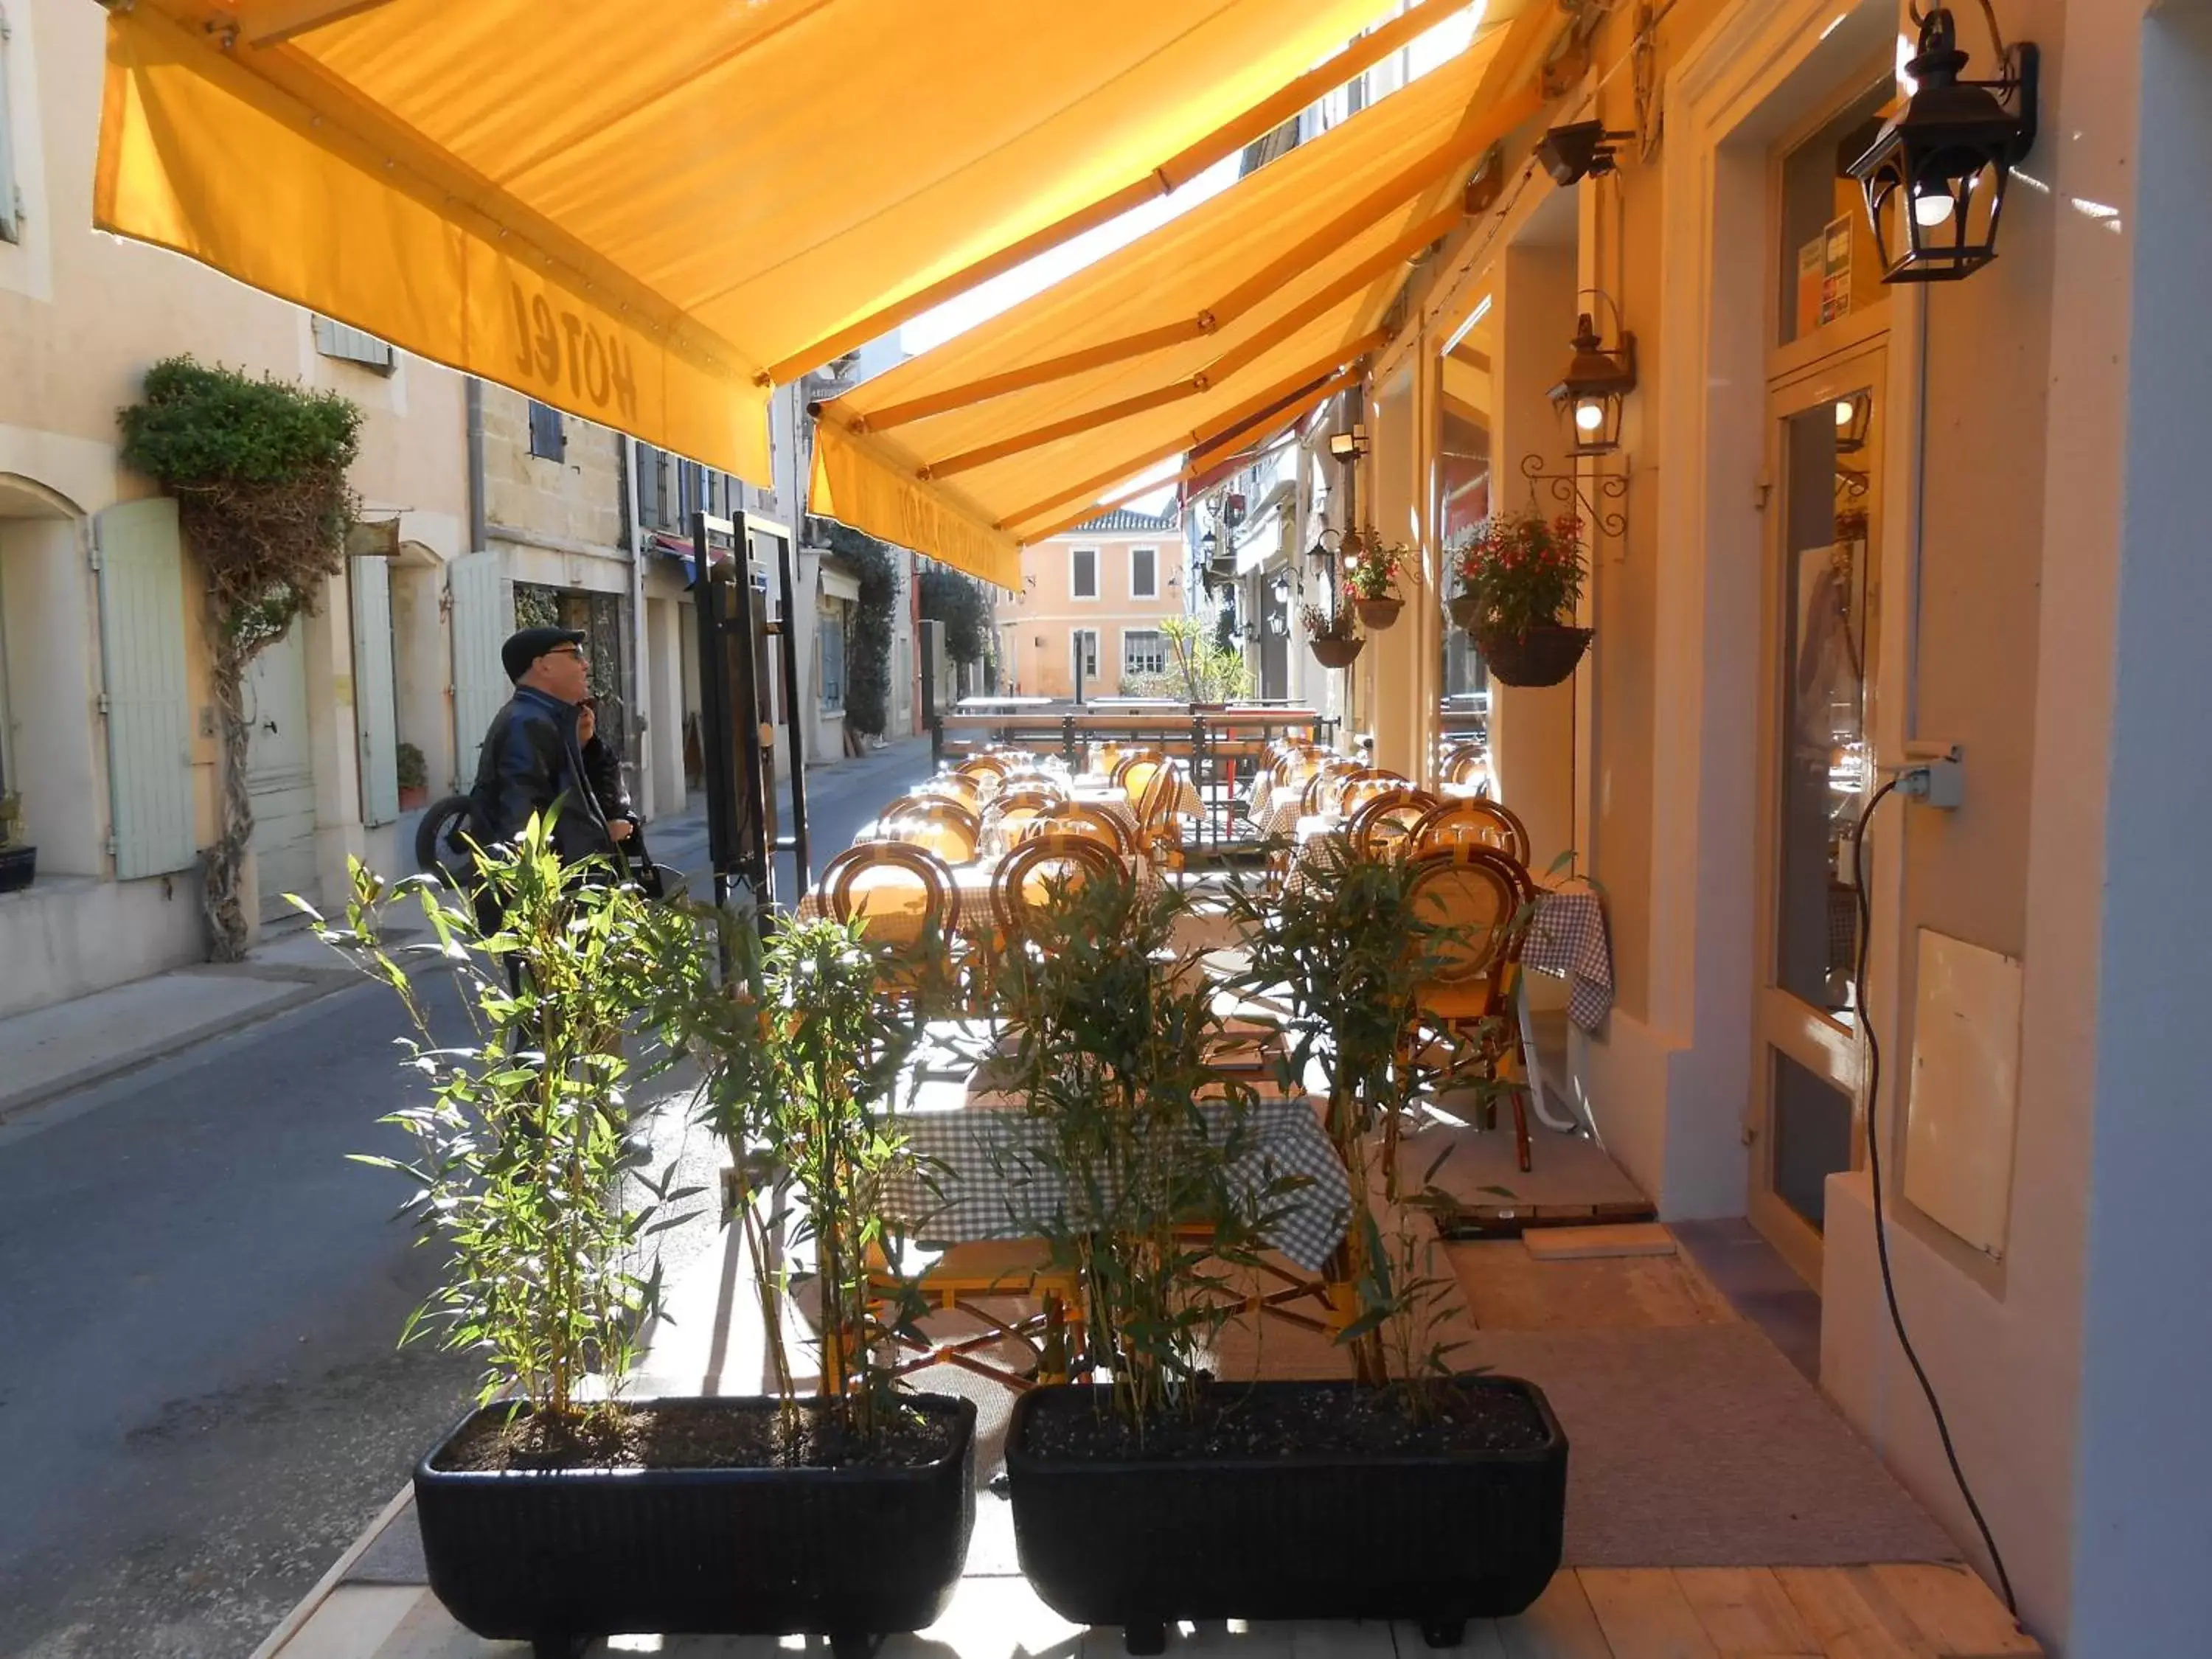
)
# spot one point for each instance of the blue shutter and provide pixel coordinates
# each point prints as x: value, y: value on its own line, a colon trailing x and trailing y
x: 484, y: 616
x: 375, y: 717
x: 142, y: 658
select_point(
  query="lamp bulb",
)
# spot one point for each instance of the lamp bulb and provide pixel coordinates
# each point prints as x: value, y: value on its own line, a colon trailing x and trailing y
x: 1931, y: 208
x: 1845, y: 412
x: 1590, y: 416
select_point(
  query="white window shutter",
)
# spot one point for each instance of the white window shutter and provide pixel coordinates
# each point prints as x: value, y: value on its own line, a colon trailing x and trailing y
x: 141, y: 654
x: 375, y: 714
x: 484, y: 616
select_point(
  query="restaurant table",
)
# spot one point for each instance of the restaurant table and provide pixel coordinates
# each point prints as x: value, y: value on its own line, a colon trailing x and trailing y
x: 981, y: 1172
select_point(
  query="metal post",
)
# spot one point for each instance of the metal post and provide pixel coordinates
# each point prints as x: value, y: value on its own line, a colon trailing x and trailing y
x: 754, y: 862
x: 788, y: 626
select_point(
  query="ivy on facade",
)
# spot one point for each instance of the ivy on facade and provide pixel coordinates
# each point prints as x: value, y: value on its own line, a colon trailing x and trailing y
x: 868, y: 643
x: 258, y: 469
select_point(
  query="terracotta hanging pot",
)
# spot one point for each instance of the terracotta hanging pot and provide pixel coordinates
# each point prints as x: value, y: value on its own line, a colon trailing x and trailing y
x: 1378, y: 614
x: 1542, y: 656
x: 1463, y: 609
x: 1337, y: 654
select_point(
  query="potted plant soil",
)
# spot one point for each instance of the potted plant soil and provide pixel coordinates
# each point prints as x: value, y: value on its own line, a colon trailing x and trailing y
x: 1157, y: 1493
x: 560, y: 1509
x: 1370, y: 577
x: 414, y: 777
x: 19, y: 864
x: 1524, y: 573
x: 1333, y: 634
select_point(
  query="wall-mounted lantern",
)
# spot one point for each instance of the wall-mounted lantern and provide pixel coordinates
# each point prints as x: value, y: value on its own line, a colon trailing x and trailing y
x: 1591, y: 396
x: 1348, y: 447
x: 1934, y: 176
x: 1852, y: 414
x: 1578, y: 150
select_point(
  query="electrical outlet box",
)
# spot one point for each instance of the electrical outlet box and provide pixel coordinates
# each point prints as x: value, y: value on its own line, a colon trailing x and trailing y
x: 1946, y: 784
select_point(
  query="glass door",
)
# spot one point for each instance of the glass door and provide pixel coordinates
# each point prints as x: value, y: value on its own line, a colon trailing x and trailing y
x: 1824, y: 512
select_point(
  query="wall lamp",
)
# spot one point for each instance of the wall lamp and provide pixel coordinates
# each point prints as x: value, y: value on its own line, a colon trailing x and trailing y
x: 1591, y: 396
x: 1578, y: 150
x: 1348, y: 445
x: 1852, y: 414
x: 1934, y: 176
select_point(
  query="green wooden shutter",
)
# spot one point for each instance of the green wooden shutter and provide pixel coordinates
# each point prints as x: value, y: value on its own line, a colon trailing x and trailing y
x: 144, y: 694
x: 375, y: 716
x: 484, y: 616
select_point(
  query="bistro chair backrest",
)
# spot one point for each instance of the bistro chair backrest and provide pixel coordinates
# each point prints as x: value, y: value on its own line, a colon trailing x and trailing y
x: 1472, y: 822
x: 1386, y: 818
x: 1293, y: 767
x: 1467, y: 762
x: 1135, y: 769
x: 954, y: 785
x: 1014, y: 808
x: 1476, y: 897
x: 1324, y: 790
x: 938, y: 823
x: 901, y: 895
x: 1159, y: 833
x: 1090, y: 820
x: 1043, y: 869
x: 1364, y: 783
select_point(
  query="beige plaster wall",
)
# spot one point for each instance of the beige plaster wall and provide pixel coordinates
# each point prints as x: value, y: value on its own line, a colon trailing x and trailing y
x: 1046, y: 609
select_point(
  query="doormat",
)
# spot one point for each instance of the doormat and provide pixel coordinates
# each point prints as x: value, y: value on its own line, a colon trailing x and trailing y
x: 1701, y: 1446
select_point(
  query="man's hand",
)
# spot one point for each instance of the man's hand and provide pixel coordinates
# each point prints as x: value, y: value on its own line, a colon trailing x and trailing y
x: 621, y: 828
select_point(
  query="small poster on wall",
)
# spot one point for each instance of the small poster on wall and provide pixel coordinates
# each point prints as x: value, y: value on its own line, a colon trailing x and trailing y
x: 1812, y: 261
x: 1836, y: 271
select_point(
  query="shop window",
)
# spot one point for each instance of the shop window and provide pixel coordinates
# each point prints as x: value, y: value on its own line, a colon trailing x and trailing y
x: 1083, y: 573
x: 1144, y: 572
x: 1144, y: 650
x: 350, y: 345
x: 548, y: 437
x: 1829, y: 269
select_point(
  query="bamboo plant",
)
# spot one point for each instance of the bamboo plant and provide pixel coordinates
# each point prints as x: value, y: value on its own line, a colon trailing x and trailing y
x: 526, y: 1165
x: 1113, y: 1034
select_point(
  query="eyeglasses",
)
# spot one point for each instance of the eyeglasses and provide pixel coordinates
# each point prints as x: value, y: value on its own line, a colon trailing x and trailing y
x: 575, y: 650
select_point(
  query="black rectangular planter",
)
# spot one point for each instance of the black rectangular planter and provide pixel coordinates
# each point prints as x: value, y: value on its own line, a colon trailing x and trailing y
x: 553, y: 1556
x: 1437, y: 1539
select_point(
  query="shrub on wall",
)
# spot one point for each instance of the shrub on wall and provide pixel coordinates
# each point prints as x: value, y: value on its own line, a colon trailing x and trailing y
x: 258, y: 468
x: 868, y: 644
x: 963, y: 605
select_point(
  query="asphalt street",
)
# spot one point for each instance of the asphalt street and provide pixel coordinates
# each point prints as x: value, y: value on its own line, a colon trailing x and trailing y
x: 201, y: 1403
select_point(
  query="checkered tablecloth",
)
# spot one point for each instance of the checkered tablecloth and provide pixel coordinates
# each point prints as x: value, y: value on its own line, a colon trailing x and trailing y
x: 981, y: 1173
x: 1567, y: 938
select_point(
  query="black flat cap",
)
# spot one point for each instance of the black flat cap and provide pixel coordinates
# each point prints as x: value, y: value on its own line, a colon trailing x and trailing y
x: 527, y: 645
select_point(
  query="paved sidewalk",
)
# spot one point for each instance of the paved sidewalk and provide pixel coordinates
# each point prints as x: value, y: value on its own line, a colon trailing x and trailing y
x: 52, y: 1052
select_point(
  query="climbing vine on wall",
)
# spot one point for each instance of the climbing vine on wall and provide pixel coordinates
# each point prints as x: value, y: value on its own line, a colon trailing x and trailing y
x: 963, y: 605
x: 868, y: 644
x: 258, y: 468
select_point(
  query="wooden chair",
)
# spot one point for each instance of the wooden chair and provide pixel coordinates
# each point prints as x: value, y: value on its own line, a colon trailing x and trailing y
x: 1087, y: 819
x: 1362, y: 783
x: 1159, y: 821
x: 1465, y: 763
x: 938, y: 823
x: 964, y: 1274
x: 1013, y: 808
x: 1386, y: 817
x: 1022, y: 888
x: 904, y: 898
x: 953, y: 785
x: 1324, y: 790
x: 1476, y: 822
x: 1134, y: 771
x: 1481, y: 897
x: 986, y: 771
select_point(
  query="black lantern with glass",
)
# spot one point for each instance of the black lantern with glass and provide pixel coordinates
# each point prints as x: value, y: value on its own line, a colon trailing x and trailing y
x: 1591, y: 396
x: 1934, y: 176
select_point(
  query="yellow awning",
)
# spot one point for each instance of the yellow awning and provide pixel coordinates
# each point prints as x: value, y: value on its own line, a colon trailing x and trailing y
x: 1239, y: 312
x: 645, y: 212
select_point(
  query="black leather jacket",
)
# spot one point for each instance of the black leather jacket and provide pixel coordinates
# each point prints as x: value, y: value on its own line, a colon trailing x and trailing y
x: 531, y: 760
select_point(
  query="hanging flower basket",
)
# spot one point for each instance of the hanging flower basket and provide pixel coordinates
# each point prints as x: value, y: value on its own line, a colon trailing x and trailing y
x: 1378, y: 614
x: 1545, y: 655
x: 1338, y: 653
x: 1464, y: 608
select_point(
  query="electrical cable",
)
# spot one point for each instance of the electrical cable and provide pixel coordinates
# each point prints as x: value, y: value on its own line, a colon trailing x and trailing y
x: 1874, y: 1172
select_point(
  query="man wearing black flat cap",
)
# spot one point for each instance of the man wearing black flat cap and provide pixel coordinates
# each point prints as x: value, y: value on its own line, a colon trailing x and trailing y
x: 533, y: 758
